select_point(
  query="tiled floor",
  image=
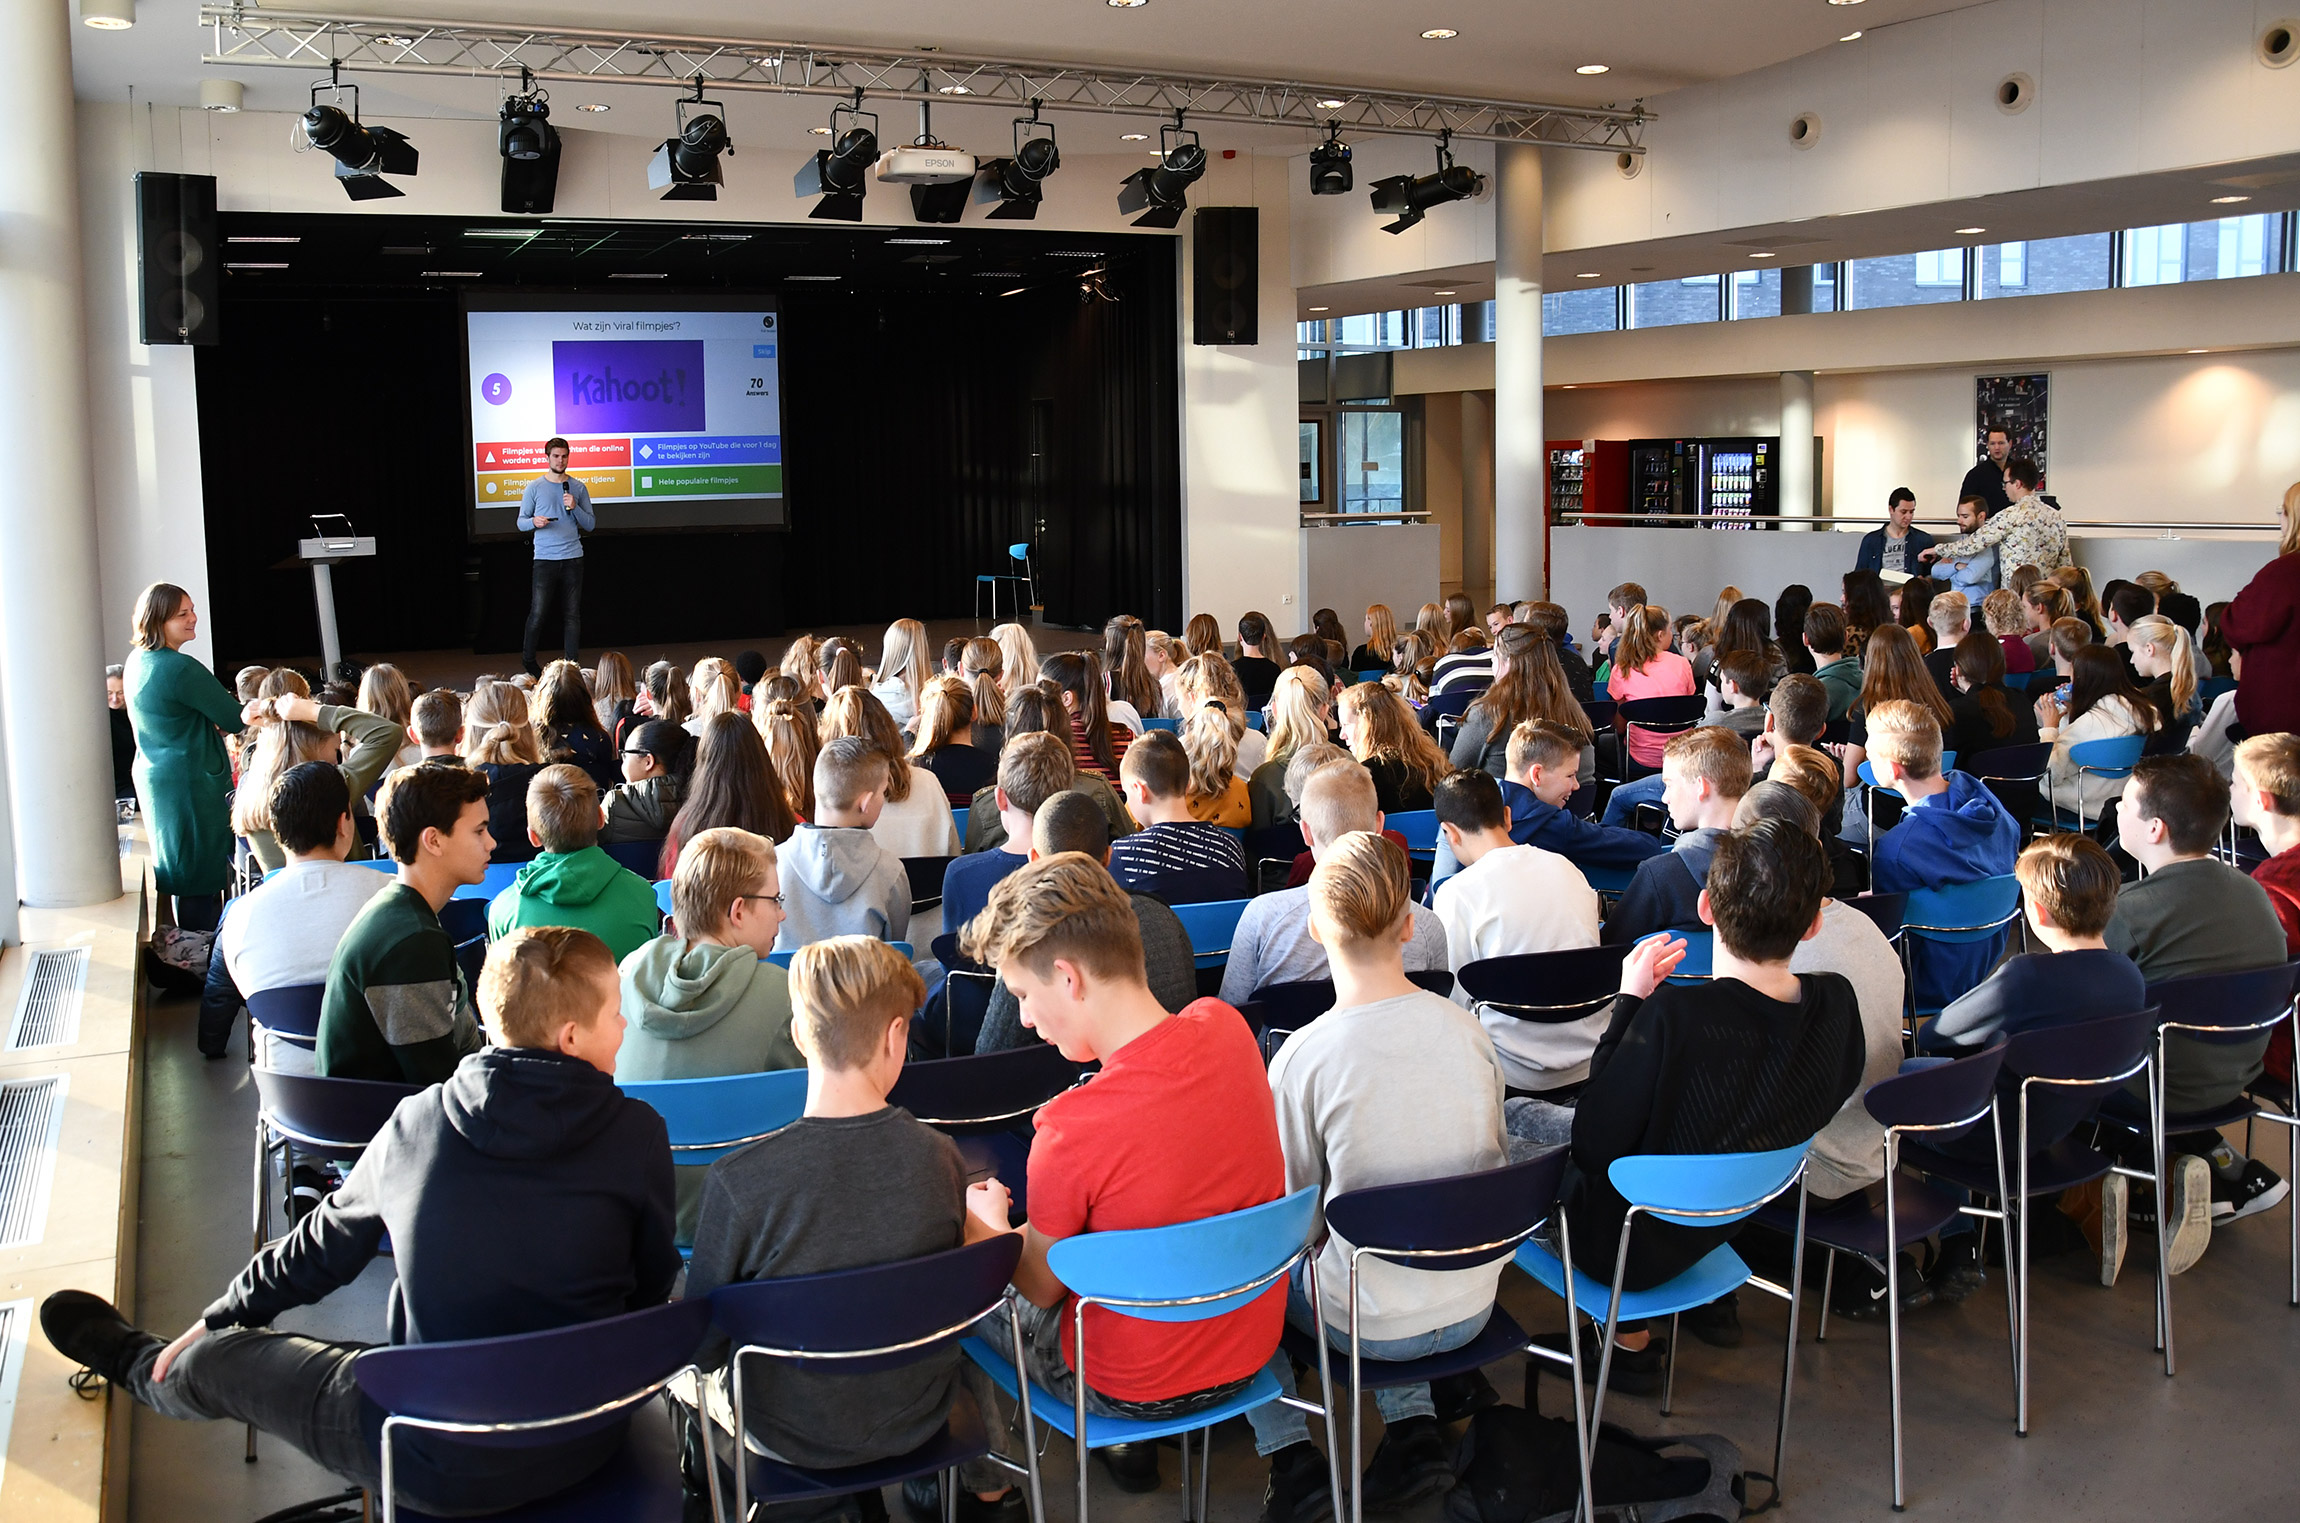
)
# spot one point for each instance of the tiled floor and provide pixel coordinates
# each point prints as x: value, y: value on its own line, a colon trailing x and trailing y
x: 2111, y: 1437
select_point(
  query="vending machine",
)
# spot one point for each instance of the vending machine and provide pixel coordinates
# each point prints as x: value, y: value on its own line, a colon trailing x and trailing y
x: 1734, y: 480
x: 1587, y: 477
x: 1661, y: 477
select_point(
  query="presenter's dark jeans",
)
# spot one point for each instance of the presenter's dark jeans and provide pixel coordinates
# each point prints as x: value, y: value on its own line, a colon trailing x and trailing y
x: 558, y: 582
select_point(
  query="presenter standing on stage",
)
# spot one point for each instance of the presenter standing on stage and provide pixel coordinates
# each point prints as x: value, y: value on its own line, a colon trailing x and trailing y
x: 556, y: 510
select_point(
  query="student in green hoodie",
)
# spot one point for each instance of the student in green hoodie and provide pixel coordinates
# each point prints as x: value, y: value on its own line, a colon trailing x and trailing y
x: 574, y: 882
x: 703, y: 1001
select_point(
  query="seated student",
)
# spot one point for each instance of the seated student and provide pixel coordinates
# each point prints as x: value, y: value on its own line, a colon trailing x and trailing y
x: 945, y: 744
x: 1510, y: 899
x: 655, y: 756
x: 1034, y: 709
x: 1950, y: 618
x: 2007, y: 620
x: 853, y: 1182
x: 1071, y: 822
x: 435, y: 724
x: 499, y: 744
x: 1174, y: 856
x: 1178, y: 1126
x: 1272, y: 943
x: 284, y: 932
x: 1552, y: 623
x: 2100, y: 703
x: 1704, y: 772
x: 1544, y: 761
x: 1795, y: 715
x: 914, y: 818
x: 1989, y: 715
x: 1813, y: 773
x: 1755, y: 1058
x: 573, y: 882
x: 1392, y: 1084
x: 523, y: 1194
x: 2266, y: 798
x: 1744, y: 681
x: 397, y: 1008
x: 838, y: 879
x: 2194, y: 914
x: 1217, y: 794
x: 1837, y: 667
x: 1033, y: 769
x: 1953, y: 831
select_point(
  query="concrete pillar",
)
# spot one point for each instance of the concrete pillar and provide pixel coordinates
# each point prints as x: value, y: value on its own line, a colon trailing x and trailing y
x: 1477, y: 496
x: 1520, y: 462
x: 1797, y: 290
x: 59, y: 746
x: 1796, y: 468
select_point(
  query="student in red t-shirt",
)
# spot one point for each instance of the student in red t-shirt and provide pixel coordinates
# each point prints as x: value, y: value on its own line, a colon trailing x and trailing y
x: 1178, y: 1126
x: 2264, y: 794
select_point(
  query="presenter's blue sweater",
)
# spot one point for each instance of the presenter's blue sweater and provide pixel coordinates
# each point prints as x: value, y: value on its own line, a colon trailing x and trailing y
x: 562, y: 538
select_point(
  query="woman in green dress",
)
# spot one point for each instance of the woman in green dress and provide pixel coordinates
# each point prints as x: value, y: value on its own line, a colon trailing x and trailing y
x: 183, y: 777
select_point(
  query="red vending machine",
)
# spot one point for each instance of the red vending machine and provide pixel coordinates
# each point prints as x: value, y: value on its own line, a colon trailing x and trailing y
x: 1587, y: 476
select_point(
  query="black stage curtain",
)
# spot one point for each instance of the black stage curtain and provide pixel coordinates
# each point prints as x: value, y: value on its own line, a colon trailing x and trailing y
x: 924, y: 432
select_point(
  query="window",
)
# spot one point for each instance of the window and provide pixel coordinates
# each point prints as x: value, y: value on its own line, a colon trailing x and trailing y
x: 1313, y: 441
x: 1583, y: 311
x: 2012, y: 265
x: 1825, y: 287
x: 1372, y: 330
x: 2155, y: 256
x: 2044, y: 265
x: 1371, y: 468
x: 1668, y: 303
x: 2244, y: 247
x: 1940, y: 267
x: 1905, y: 280
x: 1756, y: 293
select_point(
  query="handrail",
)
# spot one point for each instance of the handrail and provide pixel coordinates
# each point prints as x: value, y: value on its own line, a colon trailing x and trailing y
x: 1871, y: 521
x: 1410, y: 515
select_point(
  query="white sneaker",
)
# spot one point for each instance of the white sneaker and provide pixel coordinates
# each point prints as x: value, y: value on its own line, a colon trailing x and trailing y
x: 2115, y: 1228
x: 2190, y: 1213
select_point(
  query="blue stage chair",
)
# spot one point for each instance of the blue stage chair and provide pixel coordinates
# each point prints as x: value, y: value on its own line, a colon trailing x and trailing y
x: 2015, y: 774
x: 290, y: 1012
x: 710, y: 1118
x: 1016, y: 555
x: 1700, y: 950
x: 1885, y: 911
x: 1692, y: 1190
x: 1419, y: 827
x: 663, y: 896
x: 534, y: 1388
x: 1184, y: 1273
x: 1157, y: 722
x: 1940, y: 1104
x: 1662, y: 717
x: 861, y: 1321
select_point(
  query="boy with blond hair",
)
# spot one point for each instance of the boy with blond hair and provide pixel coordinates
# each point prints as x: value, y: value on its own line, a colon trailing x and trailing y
x: 574, y: 882
x: 854, y: 1181
x: 1704, y: 772
x: 1953, y: 831
x: 525, y: 1193
x: 2265, y: 795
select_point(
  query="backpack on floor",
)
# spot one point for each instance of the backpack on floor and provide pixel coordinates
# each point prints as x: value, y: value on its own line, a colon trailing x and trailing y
x: 1516, y: 1466
x: 177, y: 959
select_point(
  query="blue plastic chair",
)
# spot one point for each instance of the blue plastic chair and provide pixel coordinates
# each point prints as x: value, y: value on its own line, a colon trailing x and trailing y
x: 1698, y: 961
x: 1187, y: 1272
x: 539, y: 1388
x: 2111, y: 758
x: 861, y: 1321
x: 499, y: 877
x: 710, y: 1118
x: 1210, y: 927
x: 2209, y: 689
x: 1016, y: 554
x: 1158, y: 722
x: 1869, y: 785
x: 1691, y: 1190
x: 380, y: 864
x: 958, y: 818
x: 1957, y: 914
x: 2076, y: 1066
x: 1460, y: 1222
x: 641, y: 857
x: 783, y: 959
x: 2015, y: 774
x: 1419, y: 827
x: 1375, y: 675
x: 1277, y: 1011
x: 1940, y: 1104
x: 663, y: 896
x: 1612, y: 881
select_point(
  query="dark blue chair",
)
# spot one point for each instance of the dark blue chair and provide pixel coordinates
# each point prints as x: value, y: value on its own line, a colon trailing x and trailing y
x: 2015, y: 774
x: 925, y: 874
x: 1461, y: 1222
x: 1277, y: 1011
x: 641, y: 857
x: 1187, y: 1272
x: 539, y: 1388
x: 1692, y: 1190
x: 2065, y: 1073
x: 334, y: 1119
x: 1600, y: 712
x: 1547, y: 988
x: 1939, y: 1103
x: 861, y: 1321
x: 987, y: 1101
x: 1419, y: 827
x: 1886, y: 911
x: 290, y: 1013
x: 499, y: 877
x: 1448, y: 706
x: 1655, y: 716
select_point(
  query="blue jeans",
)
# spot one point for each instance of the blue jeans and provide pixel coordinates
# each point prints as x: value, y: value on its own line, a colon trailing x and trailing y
x: 1621, y: 808
x: 1276, y: 1425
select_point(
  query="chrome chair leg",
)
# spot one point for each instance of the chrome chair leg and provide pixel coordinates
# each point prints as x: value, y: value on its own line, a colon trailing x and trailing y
x: 1828, y: 1294
x: 1893, y: 1315
x: 1789, y: 1357
x: 1669, y: 1370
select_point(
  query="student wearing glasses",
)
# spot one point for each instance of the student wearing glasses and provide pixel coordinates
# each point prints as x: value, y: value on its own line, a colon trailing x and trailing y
x: 654, y: 758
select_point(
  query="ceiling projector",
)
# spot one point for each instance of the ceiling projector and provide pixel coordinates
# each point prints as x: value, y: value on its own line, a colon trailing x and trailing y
x: 916, y: 165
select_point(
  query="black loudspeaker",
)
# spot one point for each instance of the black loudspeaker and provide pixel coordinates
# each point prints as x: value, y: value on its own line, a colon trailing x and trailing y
x: 178, y: 258
x: 1226, y: 247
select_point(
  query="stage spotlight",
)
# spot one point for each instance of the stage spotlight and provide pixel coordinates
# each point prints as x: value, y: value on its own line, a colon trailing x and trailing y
x: 686, y: 167
x: 1411, y: 197
x: 1017, y: 184
x: 362, y: 154
x: 530, y: 148
x: 1161, y: 191
x: 840, y: 173
x: 1330, y: 173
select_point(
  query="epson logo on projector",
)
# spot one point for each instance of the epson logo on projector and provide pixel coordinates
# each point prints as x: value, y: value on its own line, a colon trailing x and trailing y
x: 605, y: 387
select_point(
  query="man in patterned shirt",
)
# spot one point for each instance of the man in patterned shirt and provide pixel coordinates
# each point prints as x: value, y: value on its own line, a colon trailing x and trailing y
x: 2029, y: 532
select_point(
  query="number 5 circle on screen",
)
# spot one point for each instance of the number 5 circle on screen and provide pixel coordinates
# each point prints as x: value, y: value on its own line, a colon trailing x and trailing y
x: 496, y: 389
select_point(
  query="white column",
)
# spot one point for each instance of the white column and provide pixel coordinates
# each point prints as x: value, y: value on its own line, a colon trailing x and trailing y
x: 51, y: 647
x: 1520, y: 462
x: 1796, y: 467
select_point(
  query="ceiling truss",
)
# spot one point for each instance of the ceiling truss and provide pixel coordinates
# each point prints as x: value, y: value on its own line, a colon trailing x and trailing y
x: 383, y: 45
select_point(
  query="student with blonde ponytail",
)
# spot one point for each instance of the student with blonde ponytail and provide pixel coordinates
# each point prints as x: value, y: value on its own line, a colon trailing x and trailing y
x: 904, y: 664
x: 982, y: 665
x: 499, y: 743
x: 2161, y: 657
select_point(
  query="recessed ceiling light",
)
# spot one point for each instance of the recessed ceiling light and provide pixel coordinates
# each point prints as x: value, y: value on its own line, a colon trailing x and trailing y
x: 263, y: 238
x: 1765, y: 254
x: 1971, y: 230
x: 1850, y: 37
x: 1321, y: 309
x: 1133, y: 137
x: 1569, y: 387
x: 1445, y: 293
x: 1439, y: 33
x: 1332, y: 105
x: 1844, y: 2
x: 1124, y: 5
x: 1593, y: 68
x: 922, y: 242
x: 281, y: 266
x: 637, y: 275
x: 1590, y: 275
x: 812, y: 277
x: 595, y: 105
x: 2192, y: 351
x: 820, y: 131
x: 2228, y: 200
x: 954, y: 90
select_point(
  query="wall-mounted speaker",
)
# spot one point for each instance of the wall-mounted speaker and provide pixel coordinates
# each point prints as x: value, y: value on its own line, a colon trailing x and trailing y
x: 177, y: 258
x: 1226, y: 272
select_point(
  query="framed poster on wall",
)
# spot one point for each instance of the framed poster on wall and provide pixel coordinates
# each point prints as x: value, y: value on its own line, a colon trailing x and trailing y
x: 2017, y: 404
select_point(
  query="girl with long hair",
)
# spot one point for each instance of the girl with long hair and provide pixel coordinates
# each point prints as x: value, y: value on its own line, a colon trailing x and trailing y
x: 2102, y: 705
x: 1528, y: 683
x: 1747, y: 625
x: 1866, y: 607
x: 1098, y: 745
x: 1989, y: 716
x: 294, y: 730
x: 2045, y: 604
x: 1301, y: 713
x: 1164, y: 655
x: 1382, y: 733
x: 499, y: 741
x: 1645, y: 667
x: 1461, y: 614
x: 612, y: 689
x: 2216, y: 647
x: 903, y: 666
x: 982, y: 667
x: 1430, y: 619
x: 916, y: 821
x: 802, y: 661
x: 788, y: 727
x: 1016, y: 654
x: 2084, y: 603
x: 842, y: 667
x: 1414, y: 662
x: 732, y: 785
x: 714, y: 690
x: 1381, y: 639
x: 384, y: 692
x: 945, y: 741
x: 1327, y: 626
x: 2167, y: 668
x: 664, y: 695
x: 1913, y: 604
x: 1209, y: 679
x: 567, y: 727
x: 1216, y: 795
x: 1202, y: 636
x: 1126, y: 661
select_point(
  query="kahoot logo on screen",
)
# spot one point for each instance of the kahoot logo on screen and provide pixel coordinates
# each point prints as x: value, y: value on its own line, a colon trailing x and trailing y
x: 611, y: 387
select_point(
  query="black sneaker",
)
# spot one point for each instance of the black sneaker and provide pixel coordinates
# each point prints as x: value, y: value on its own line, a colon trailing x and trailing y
x: 1133, y: 1466
x: 1413, y: 1461
x: 1959, y: 1272
x: 89, y: 1331
x: 2257, y: 1189
x: 922, y: 1499
x: 307, y: 1188
x: 1860, y: 1303
x: 1717, y: 1324
x: 1300, y: 1490
x: 1457, y: 1397
x: 1635, y: 1372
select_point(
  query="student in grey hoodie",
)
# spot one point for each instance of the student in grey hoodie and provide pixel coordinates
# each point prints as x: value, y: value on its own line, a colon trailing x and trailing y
x: 702, y: 1001
x: 1704, y: 773
x: 837, y: 880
